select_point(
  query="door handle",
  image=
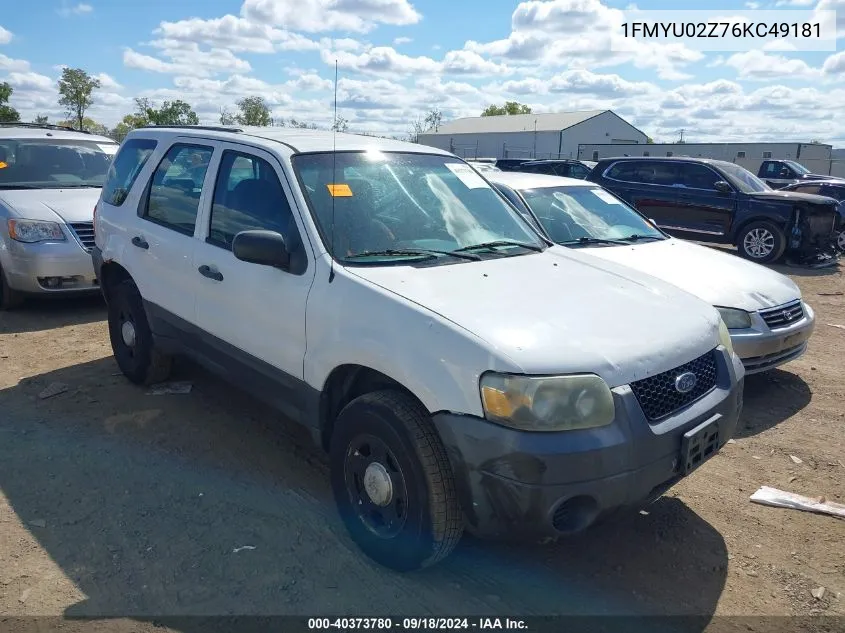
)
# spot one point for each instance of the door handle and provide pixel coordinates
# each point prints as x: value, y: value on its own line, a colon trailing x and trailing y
x: 140, y: 242
x: 207, y: 271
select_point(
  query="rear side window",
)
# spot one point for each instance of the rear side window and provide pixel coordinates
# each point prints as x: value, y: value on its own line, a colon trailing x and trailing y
x: 646, y: 172
x: 578, y: 171
x: 248, y: 196
x: 125, y: 167
x: 174, y: 195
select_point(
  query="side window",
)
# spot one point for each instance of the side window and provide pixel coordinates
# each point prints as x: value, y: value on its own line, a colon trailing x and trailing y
x: 740, y: 154
x: 626, y: 172
x: 174, y: 195
x: 767, y: 154
x: 838, y: 193
x: 248, y: 196
x: 578, y: 171
x: 125, y: 167
x: 657, y: 173
x: 771, y: 169
x: 698, y: 176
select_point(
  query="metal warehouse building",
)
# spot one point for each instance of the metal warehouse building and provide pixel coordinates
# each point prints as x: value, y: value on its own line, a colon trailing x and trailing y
x: 553, y: 135
x: 817, y: 157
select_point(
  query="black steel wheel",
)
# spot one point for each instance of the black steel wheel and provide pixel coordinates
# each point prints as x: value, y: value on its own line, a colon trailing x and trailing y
x: 393, y: 483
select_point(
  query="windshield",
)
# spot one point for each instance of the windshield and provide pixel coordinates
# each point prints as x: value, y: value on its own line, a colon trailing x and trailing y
x: 743, y: 179
x: 797, y: 167
x: 53, y: 163
x: 570, y: 214
x: 386, y: 203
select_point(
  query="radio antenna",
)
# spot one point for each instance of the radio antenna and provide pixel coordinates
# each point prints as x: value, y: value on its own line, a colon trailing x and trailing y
x: 334, y: 172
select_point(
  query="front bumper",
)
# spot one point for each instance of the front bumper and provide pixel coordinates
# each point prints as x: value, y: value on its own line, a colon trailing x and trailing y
x: 30, y: 267
x: 534, y: 485
x: 762, y: 348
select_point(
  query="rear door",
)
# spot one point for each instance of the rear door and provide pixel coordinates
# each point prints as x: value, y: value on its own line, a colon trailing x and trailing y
x: 160, y: 236
x: 703, y: 213
x: 647, y: 185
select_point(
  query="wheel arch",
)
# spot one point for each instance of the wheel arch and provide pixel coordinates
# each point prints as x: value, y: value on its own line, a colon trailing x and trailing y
x: 781, y: 223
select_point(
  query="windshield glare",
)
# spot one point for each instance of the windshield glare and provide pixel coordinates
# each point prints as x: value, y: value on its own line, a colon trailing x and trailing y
x: 394, y: 201
x: 53, y: 163
x: 743, y: 179
x: 570, y: 213
x: 798, y: 167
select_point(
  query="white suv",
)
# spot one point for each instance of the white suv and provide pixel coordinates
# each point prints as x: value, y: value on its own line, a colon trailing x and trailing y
x: 460, y: 370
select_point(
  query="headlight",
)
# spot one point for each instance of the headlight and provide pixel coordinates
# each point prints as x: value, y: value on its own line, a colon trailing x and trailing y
x: 35, y: 231
x: 725, y: 337
x: 553, y: 403
x: 735, y: 319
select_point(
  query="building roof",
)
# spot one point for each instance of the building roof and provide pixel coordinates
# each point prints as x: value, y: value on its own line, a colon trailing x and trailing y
x: 297, y: 140
x: 546, y: 122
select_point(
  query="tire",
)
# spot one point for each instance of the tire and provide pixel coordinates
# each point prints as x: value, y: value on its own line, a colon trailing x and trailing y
x: 134, y: 351
x: 839, y: 241
x: 9, y: 297
x: 422, y: 523
x: 761, y: 242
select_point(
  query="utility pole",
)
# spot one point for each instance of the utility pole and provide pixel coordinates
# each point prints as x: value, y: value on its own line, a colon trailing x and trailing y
x: 681, y: 140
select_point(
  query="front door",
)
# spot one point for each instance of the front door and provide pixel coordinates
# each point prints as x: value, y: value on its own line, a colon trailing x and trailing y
x: 254, y: 314
x: 703, y: 212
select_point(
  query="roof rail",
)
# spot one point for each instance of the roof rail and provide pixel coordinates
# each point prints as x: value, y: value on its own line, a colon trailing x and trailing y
x: 44, y: 126
x: 210, y: 128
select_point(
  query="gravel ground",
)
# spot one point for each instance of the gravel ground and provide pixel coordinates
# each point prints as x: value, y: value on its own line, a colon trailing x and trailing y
x: 118, y: 503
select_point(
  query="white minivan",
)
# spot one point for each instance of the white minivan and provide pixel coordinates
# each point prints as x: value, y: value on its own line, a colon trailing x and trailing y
x: 461, y: 371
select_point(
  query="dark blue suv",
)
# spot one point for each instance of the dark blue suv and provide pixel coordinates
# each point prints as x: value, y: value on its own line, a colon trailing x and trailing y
x: 716, y: 201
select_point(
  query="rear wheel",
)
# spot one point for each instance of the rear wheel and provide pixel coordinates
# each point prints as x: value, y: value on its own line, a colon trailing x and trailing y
x: 9, y: 297
x: 761, y: 242
x: 131, y: 337
x: 392, y: 482
x: 840, y: 241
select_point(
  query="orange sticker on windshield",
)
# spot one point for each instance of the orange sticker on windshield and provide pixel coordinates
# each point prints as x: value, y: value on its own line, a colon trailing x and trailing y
x: 340, y: 191
x: 3, y: 165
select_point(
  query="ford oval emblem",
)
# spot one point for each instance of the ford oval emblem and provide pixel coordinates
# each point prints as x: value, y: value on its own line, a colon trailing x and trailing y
x: 686, y: 382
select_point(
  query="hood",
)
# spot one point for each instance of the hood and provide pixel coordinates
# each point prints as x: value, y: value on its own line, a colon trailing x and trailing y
x: 779, y: 195
x: 70, y: 205
x: 562, y: 311
x: 820, y: 177
x: 720, y: 279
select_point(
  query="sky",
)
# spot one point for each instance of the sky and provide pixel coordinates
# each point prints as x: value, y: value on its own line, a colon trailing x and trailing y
x: 398, y: 59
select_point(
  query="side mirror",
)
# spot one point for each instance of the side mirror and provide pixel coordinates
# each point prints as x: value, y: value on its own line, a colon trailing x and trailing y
x: 266, y: 248
x: 723, y: 187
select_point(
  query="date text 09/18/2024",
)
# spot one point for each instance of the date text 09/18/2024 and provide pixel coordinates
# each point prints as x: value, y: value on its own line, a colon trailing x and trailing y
x: 417, y: 624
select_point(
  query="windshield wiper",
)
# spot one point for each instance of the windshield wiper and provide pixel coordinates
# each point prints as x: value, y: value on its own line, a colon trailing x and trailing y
x: 592, y: 240
x: 422, y: 252
x: 492, y: 245
x: 636, y: 238
x: 13, y: 186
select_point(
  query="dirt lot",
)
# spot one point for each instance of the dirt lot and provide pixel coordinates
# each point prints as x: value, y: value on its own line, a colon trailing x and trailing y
x: 118, y: 503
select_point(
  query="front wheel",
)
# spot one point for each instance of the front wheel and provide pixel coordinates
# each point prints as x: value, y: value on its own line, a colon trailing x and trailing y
x: 761, y: 242
x: 392, y: 482
x: 839, y: 241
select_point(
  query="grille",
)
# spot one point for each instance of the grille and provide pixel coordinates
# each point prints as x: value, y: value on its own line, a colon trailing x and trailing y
x: 84, y: 231
x: 783, y: 315
x: 658, y: 396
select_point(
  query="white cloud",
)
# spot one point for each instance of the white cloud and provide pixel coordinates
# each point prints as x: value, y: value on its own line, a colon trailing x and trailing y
x: 835, y: 64
x: 759, y: 66
x: 839, y: 7
x: 309, y: 82
x: 580, y: 82
x: 188, y: 59
x: 380, y: 60
x: 30, y: 81
x: 5, y: 36
x: 74, y: 9
x: 752, y: 5
x: 470, y: 63
x: 343, y: 44
x: 107, y: 82
x: 230, y: 32
x: 9, y: 64
x: 795, y: 3
x: 402, y: 40
x: 314, y: 16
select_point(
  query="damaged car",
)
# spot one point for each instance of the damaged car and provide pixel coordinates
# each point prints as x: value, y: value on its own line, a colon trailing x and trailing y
x: 389, y: 299
x: 716, y: 201
x: 768, y: 320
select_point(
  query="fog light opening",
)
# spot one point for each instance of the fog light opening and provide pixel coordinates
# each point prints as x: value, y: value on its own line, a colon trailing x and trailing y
x: 575, y: 514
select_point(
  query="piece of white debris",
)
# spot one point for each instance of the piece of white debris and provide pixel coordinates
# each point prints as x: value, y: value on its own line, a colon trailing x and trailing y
x: 796, y: 460
x: 818, y: 592
x: 793, y: 478
x: 170, y: 388
x: 24, y: 595
x: 38, y: 523
x: 731, y: 441
x: 780, y: 499
x: 53, y: 389
x: 644, y: 513
x: 242, y: 547
x: 836, y: 325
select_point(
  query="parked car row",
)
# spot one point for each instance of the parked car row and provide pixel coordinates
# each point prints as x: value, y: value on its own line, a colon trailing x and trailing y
x: 521, y: 359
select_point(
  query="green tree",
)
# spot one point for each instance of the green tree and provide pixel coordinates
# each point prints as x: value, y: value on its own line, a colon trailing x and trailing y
x: 510, y: 107
x: 340, y: 124
x: 227, y: 117
x: 88, y: 125
x: 176, y: 112
x: 76, y: 90
x: 41, y: 119
x: 7, y: 113
x: 253, y: 111
x: 433, y: 119
x: 649, y: 140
